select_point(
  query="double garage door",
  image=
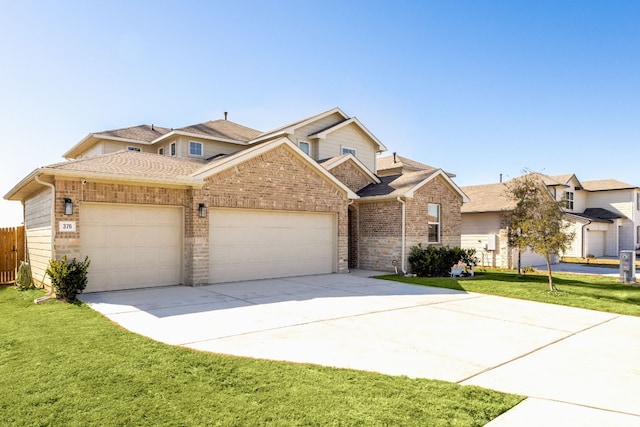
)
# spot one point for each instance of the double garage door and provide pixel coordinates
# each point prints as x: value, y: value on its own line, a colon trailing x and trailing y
x: 255, y: 244
x: 133, y: 246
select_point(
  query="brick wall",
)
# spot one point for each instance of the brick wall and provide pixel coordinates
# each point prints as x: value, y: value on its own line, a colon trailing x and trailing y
x: 380, y: 225
x: 351, y: 176
x: 276, y: 180
x: 440, y: 192
x: 279, y: 180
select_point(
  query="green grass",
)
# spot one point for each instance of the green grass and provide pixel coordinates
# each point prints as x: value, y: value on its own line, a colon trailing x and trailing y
x: 585, y: 291
x: 66, y: 365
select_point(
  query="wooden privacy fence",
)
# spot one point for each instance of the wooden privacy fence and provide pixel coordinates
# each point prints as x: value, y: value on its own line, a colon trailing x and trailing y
x: 11, y: 252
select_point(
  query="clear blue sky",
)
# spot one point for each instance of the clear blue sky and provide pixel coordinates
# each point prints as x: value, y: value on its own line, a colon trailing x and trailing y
x: 477, y: 88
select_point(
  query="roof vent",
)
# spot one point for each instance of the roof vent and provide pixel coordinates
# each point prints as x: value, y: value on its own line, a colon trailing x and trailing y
x: 152, y: 126
x: 395, y: 157
x: 225, y: 115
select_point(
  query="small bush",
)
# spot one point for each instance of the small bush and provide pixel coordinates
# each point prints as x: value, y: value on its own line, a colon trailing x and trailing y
x: 68, y: 278
x: 430, y: 261
x: 24, y: 278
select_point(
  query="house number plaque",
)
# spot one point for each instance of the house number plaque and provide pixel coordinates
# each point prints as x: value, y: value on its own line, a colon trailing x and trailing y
x: 68, y: 226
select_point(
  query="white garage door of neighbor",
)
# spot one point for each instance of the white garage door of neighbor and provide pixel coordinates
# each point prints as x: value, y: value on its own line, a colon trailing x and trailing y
x: 249, y: 244
x: 595, y: 243
x: 131, y: 246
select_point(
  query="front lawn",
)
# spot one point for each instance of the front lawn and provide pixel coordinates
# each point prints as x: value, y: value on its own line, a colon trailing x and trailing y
x: 66, y: 365
x: 585, y: 291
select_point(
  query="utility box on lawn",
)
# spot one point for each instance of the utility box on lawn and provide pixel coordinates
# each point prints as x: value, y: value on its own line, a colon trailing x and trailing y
x: 628, y: 266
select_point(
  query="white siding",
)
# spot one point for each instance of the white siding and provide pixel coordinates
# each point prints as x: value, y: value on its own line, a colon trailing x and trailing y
x: 317, y: 126
x: 38, y: 233
x: 113, y: 146
x: 96, y: 150
x: 480, y: 223
x: 209, y: 148
x: 575, y: 250
x: 476, y: 231
x: 349, y: 137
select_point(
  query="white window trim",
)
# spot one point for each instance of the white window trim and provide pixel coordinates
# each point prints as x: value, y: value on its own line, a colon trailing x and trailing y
x: 308, y: 144
x: 569, y: 200
x: 132, y: 148
x: 349, y: 150
x: 438, y: 223
x: 172, y: 149
x: 201, y: 149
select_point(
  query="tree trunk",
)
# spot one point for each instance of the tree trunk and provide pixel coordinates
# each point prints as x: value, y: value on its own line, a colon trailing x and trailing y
x: 552, y: 287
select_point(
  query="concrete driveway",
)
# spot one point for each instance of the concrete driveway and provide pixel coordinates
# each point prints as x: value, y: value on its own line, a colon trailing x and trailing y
x: 578, y: 367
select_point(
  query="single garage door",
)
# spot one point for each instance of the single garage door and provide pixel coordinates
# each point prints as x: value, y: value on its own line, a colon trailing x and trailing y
x: 251, y: 244
x: 131, y: 246
x: 595, y: 243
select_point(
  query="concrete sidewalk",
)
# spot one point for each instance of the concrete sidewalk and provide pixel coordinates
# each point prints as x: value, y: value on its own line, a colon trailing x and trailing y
x: 579, y: 367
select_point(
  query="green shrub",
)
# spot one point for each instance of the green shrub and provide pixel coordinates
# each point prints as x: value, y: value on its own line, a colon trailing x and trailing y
x: 68, y: 278
x: 431, y: 261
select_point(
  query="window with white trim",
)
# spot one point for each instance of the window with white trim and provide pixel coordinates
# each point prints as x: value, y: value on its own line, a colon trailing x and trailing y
x: 346, y: 150
x: 195, y: 148
x: 172, y: 149
x: 161, y: 151
x: 305, y: 146
x: 133, y: 148
x: 433, y: 220
x: 568, y: 199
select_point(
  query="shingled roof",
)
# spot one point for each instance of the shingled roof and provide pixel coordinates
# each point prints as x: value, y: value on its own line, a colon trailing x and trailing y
x: 133, y: 164
x: 143, y: 133
x: 395, y: 161
x: 606, y: 184
x: 487, y: 198
x: 222, y: 129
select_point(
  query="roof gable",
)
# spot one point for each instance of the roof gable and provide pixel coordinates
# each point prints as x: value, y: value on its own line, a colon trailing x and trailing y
x: 291, y: 127
x: 405, y: 185
x: 223, y: 163
x: 353, y: 121
x: 338, y: 160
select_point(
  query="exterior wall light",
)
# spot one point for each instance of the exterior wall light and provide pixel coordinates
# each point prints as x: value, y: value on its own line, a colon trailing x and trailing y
x: 202, y: 210
x: 68, y: 207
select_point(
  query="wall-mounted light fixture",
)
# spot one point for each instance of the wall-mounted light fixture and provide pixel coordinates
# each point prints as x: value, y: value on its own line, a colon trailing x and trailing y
x: 68, y: 207
x: 202, y: 210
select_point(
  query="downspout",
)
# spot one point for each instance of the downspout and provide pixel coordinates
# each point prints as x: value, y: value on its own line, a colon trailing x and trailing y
x: 53, y: 231
x: 584, y: 239
x: 402, y: 237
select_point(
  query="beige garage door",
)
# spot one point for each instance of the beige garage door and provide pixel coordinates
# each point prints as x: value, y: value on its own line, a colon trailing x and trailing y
x: 131, y: 246
x: 250, y: 244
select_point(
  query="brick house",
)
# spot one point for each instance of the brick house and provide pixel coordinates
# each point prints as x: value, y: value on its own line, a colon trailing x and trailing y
x: 220, y: 202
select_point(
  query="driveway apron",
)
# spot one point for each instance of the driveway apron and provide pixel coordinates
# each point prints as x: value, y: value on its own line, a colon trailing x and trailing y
x: 581, y: 365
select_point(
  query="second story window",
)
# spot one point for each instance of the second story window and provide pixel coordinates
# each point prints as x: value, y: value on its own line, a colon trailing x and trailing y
x: 568, y: 199
x: 195, y: 148
x: 161, y: 151
x: 351, y: 151
x: 304, y: 146
x: 433, y: 219
x: 172, y: 149
x: 133, y: 148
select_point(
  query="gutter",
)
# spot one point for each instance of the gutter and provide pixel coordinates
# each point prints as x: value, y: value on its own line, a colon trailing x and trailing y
x: 403, y: 238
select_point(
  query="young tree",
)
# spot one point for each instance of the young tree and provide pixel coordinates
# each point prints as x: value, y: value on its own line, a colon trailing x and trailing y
x: 537, y: 220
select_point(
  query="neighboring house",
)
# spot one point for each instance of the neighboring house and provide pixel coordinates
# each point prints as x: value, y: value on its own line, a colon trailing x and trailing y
x: 220, y: 202
x: 605, y: 216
